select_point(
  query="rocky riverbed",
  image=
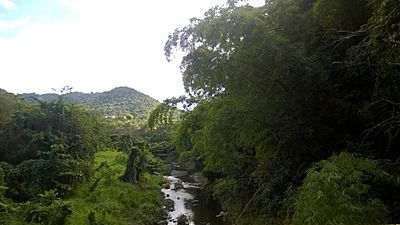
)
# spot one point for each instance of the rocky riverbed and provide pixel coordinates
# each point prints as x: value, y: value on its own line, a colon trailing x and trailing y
x: 184, y: 196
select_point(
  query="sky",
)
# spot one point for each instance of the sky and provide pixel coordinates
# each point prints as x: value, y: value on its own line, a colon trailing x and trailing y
x: 93, y: 45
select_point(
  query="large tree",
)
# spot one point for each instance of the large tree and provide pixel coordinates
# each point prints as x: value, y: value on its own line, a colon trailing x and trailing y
x: 280, y: 87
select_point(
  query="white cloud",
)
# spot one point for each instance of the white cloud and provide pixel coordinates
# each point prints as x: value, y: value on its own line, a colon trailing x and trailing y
x: 11, y: 24
x: 7, y: 4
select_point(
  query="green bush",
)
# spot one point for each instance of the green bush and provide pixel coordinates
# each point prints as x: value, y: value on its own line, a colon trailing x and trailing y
x: 50, y: 210
x: 340, y: 191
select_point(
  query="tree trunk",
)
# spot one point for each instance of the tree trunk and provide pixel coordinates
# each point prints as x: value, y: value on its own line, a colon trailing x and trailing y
x: 130, y: 174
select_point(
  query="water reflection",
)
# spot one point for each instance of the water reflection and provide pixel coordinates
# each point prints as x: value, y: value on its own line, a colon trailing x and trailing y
x: 191, y: 200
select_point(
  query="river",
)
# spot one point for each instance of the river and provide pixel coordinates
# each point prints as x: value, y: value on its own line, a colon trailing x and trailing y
x: 191, y: 200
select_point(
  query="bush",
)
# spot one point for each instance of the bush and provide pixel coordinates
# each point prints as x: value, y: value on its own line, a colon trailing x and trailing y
x: 339, y: 191
x: 49, y: 211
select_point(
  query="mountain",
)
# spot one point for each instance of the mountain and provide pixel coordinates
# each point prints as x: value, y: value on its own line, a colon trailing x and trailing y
x: 119, y: 102
x: 3, y: 91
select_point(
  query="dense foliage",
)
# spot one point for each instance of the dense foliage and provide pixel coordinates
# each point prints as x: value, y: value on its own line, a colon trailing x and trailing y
x: 291, y: 115
x: 48, y: 171
x: 343, y: 190
x: 47, y: 146
x: 280, y: 87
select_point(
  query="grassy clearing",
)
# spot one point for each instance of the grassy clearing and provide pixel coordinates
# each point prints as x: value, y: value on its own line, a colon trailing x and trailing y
x: 104, y: 199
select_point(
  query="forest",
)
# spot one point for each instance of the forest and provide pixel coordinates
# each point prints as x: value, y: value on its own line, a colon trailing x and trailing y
x: 291, y: 116
x: 61, y: 163
x: 292, y: 109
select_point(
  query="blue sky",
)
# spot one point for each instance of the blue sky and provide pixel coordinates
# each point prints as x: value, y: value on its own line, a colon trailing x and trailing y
x: 21, y: 12
x: 92, y: 45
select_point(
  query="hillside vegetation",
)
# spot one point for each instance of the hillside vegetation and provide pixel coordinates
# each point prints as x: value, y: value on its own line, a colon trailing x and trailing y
x: 60, y: 163
x: 121, y: 102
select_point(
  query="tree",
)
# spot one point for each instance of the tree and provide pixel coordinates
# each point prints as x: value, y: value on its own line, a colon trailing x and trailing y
x: 342, y: 15
x: 267, y: 101
x: 9, y: 104
x: 134, y: 166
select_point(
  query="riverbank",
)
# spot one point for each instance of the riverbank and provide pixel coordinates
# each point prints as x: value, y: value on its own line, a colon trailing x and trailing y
x: 104, y: 199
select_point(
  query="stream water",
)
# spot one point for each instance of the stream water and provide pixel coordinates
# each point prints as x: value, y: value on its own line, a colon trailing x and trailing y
x: 191, y: 200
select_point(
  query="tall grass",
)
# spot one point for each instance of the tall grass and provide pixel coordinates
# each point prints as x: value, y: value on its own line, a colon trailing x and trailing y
x: 104, y: 199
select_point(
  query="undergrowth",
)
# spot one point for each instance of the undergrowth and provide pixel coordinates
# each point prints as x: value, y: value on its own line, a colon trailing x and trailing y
x: 104, y: 199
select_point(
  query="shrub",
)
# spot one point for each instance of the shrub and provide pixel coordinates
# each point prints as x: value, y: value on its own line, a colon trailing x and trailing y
x: 338, y: 191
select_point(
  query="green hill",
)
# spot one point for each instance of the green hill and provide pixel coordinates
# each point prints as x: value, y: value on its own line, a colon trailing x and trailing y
x: 120, y: 102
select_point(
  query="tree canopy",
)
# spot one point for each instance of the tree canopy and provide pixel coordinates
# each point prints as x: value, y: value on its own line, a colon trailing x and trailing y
x: 280, y: 87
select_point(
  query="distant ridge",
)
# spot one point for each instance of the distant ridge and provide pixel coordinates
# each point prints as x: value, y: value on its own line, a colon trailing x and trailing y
x: 119, y: 102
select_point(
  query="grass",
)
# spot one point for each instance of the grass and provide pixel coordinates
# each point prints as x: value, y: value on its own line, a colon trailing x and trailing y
x: 109, y: 201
